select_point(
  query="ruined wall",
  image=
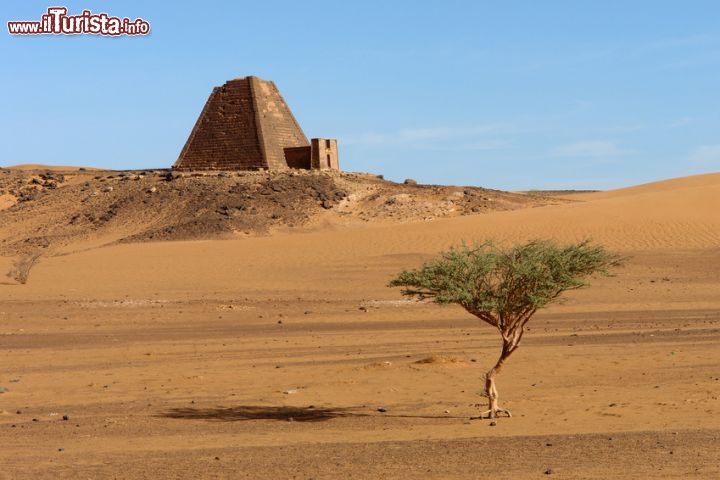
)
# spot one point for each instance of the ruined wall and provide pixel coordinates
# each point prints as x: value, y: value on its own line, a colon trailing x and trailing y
x: 298, y: 157
x: 324, y: 154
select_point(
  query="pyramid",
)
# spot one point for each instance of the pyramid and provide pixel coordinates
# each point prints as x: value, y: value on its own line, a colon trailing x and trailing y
x: 245, y: 125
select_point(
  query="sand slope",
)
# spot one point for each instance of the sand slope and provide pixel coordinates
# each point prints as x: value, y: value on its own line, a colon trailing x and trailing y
x: 676, y: 184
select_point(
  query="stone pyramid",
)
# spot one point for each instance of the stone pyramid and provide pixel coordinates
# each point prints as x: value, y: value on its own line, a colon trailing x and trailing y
x: 245, y: 125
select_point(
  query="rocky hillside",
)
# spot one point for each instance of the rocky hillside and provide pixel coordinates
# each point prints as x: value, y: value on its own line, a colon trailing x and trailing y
x: 50, y: 212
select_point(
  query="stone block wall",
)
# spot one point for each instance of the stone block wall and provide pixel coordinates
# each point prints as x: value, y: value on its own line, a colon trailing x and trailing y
x: 225, y: 136
x: 278, y: 127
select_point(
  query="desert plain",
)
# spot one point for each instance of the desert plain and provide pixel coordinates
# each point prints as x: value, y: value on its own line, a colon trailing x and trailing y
x: 278, y: 352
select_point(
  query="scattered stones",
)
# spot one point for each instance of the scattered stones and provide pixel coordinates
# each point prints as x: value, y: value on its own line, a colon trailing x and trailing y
x: 52, y: 176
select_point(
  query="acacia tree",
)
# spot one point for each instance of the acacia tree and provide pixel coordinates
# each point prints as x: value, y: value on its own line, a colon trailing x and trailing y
x: 505, y: 287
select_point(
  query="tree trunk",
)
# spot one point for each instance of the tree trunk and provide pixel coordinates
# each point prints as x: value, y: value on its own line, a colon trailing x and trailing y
x: 509, y: 345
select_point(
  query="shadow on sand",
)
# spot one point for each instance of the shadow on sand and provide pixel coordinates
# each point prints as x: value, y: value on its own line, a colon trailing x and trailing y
x: 254, y: 412
x: 281, y: 413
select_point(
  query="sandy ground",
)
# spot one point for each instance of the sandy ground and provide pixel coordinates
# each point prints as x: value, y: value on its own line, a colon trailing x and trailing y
x: 287, y: 357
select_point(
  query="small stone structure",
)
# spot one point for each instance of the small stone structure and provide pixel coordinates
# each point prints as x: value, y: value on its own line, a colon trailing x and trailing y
x: 246, y: 125
x: 321, y: 154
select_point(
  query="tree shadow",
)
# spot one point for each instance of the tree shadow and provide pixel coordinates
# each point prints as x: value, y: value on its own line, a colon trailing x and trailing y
x: 284, y: 413
x: 256, y: 412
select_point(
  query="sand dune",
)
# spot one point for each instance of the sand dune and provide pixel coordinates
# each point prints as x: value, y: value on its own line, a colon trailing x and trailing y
x: 682, y: 183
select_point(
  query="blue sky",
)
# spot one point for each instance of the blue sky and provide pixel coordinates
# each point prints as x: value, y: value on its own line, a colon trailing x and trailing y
x: 509, y: 95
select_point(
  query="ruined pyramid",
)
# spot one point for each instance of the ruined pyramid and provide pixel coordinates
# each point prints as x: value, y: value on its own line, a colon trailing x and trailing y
x: 246, y: 125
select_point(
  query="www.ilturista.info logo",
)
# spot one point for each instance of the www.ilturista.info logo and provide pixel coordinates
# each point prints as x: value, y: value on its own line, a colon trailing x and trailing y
x: 57, y: 22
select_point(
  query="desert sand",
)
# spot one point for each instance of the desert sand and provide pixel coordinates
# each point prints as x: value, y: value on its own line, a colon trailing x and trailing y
x: 284, y: 355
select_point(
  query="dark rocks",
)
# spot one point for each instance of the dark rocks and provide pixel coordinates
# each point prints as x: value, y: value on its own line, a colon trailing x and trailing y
x: 410, y: 181
x: 225, y: 210
x: 25, y: 197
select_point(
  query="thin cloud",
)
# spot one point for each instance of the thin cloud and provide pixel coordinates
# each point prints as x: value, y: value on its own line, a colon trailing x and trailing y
x: 682, y: 42
x: 431, y: 136
x: 682, y: 122
x: 589, y: 149
x: 706, y: 155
